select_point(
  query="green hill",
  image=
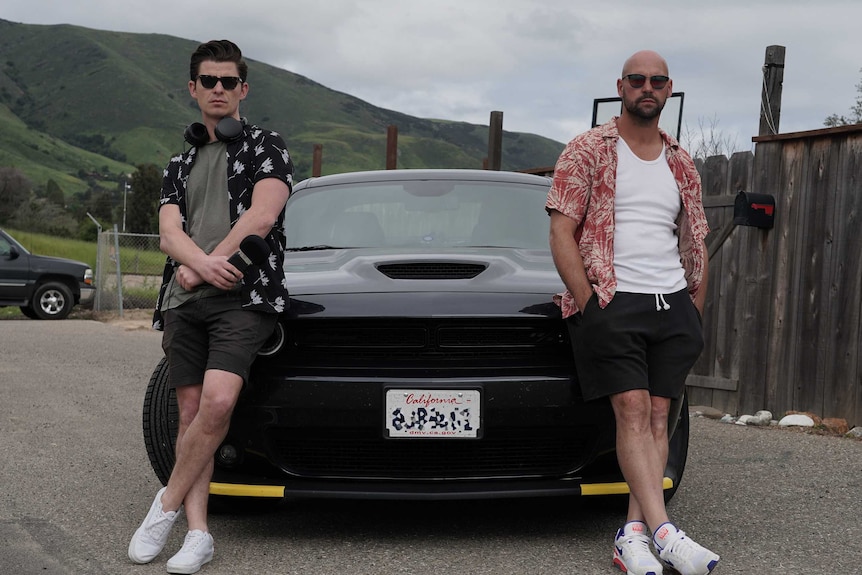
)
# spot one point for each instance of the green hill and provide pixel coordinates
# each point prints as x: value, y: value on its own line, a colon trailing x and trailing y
x: 76, y: 102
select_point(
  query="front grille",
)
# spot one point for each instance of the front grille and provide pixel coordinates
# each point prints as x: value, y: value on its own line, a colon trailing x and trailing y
x: 356, y: 454
x: 426, y: 343
x: 431, y: 271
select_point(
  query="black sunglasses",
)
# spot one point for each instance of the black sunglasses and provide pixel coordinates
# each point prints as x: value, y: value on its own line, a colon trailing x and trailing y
x: 638, y: 80
x: 227, y: 82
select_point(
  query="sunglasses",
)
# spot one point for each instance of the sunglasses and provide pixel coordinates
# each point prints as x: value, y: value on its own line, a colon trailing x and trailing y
x: 638, y: 80
x: 227, y: 82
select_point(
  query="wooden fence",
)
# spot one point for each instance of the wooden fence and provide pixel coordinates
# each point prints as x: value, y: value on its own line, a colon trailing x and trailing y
x: 784, y: 311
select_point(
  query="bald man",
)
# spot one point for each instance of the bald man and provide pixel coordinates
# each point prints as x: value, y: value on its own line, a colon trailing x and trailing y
x: 627, y: 237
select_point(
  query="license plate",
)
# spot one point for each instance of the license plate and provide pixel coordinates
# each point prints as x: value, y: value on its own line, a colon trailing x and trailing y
x: 438, y: 413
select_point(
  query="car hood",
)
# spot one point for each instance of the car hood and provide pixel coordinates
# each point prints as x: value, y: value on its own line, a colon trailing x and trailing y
x: 358, y: 270
x: 49, y: 263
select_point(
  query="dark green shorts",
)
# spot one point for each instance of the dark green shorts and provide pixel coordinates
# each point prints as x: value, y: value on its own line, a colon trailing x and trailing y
x: 213, y: 333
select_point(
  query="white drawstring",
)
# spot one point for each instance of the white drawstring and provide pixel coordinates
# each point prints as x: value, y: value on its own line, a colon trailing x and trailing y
x: 660, y: 304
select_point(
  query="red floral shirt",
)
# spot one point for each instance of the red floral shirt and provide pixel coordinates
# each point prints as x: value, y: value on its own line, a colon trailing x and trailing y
x: 584, y: 188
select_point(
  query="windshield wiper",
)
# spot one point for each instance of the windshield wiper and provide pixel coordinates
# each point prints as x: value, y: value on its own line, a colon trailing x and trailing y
x: 313, y: 248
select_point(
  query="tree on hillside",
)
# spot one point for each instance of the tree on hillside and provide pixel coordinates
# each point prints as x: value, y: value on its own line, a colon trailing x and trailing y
x: 15, y: 189
x: 143, y: 201
x: 855, y: 112
x: 54, y: 193
x: 101, y: 205
x: 44, y: 216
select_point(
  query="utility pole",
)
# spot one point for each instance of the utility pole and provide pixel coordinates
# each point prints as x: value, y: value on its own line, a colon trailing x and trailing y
x: 126, y: 188
x: 770, y: 100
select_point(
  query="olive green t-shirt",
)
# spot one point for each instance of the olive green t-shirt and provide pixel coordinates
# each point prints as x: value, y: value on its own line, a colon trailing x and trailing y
x: 208, y: 208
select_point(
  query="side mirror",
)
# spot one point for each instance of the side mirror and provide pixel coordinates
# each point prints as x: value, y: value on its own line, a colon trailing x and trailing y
x: 13, y: 253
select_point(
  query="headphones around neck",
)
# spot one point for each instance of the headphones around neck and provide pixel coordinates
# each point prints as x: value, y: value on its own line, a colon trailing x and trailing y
x: 227, y: 130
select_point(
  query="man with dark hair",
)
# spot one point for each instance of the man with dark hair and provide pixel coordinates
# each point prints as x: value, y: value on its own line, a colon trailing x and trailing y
x: 627, y: 236
x: 232, y: 183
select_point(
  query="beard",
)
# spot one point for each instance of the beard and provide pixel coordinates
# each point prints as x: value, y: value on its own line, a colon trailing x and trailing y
x: 634, y: 108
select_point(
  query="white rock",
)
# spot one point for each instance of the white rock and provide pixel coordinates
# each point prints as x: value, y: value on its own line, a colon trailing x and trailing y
x: 796, y: 420
x: 760, y: 418
x: 855, y: 432
x: 764, y: 416
x: 727, y: 418
x: 746, y: 420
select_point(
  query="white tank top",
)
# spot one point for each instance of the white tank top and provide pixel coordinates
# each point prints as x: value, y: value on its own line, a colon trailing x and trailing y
x: 646, y: 247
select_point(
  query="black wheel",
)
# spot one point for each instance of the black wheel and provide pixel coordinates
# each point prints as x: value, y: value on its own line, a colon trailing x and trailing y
x: 28, y: 311
x: 678, y: 448
x: 161, y: 422
x: 52, y: 300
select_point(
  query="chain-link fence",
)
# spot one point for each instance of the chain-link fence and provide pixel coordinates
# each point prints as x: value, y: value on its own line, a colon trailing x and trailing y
x: 128, y: 271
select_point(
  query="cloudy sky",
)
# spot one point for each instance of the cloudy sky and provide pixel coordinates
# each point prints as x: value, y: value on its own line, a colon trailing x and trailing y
x: 541, y: 62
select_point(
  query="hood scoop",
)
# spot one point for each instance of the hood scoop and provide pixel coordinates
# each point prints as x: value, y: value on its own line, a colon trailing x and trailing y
x: 431, y: 270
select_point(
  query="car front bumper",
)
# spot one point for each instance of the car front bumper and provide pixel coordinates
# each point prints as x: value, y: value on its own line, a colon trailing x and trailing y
x: 88, y: 294
x: 303, y: 436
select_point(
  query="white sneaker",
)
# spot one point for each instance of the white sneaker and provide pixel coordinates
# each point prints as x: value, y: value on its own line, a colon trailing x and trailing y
x: 632, y: 552
x: 683, y: 553
x: 150, y: 538
x: 197, y: 551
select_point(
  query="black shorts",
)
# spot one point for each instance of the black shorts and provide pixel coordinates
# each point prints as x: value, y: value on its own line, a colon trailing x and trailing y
x: 635, y: 343
x: 213, y: 333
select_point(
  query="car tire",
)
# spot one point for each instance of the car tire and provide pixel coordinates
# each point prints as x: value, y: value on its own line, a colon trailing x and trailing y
x: 161, y: 420
x: 677, y: 454
x: 29, y: 312
x: 52, y: 300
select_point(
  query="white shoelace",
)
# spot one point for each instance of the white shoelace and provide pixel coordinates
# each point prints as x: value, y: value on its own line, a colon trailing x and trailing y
x: 682, y: 546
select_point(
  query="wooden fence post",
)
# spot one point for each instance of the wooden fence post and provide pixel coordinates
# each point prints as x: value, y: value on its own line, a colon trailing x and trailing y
x: 392, y: 147
x: 317, y: 160
x: 770, y: 100
x: 495, y: 141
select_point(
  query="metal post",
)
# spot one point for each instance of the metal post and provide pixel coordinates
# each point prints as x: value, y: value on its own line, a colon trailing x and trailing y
x: 126, y: 188
x: 97, y: 304
x: 119, y: 275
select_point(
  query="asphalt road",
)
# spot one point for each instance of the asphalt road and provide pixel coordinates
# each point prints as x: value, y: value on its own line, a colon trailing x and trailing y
x: 75, y: 483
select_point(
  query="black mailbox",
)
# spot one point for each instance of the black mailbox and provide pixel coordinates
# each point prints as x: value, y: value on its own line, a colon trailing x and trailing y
x: 757, y: 210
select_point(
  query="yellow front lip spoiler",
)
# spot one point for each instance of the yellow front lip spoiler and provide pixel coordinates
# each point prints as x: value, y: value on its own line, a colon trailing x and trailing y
x: 240, y: 490
x: 620, y: 488
x: 277, y: 491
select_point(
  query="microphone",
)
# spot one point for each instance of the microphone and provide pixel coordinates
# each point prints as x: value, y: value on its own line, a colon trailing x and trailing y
x: 252, y: 251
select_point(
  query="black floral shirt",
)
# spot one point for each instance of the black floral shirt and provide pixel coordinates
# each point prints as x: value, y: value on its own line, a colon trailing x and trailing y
x: 257, y: 155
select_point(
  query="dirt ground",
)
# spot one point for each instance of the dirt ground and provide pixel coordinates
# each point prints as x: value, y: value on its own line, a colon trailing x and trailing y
x: 130, y: 319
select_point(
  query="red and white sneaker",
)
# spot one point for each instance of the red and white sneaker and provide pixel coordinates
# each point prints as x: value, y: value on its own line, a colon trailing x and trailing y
x: 683, y: 553
x: 632, y: 553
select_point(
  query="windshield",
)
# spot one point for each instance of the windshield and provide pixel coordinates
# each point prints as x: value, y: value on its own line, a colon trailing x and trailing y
x: 432, y: 213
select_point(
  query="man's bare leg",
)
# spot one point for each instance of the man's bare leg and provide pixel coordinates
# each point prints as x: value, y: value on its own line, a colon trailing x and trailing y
x: 205, y: 413
x: 642, y: 448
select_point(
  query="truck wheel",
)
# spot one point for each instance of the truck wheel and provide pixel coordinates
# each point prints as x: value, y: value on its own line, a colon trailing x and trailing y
x: 161, y: 422
x: 52, y: 300
x: 28, y: 312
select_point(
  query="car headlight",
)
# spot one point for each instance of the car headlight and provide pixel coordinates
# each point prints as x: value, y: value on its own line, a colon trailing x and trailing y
x: 88, y: 277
